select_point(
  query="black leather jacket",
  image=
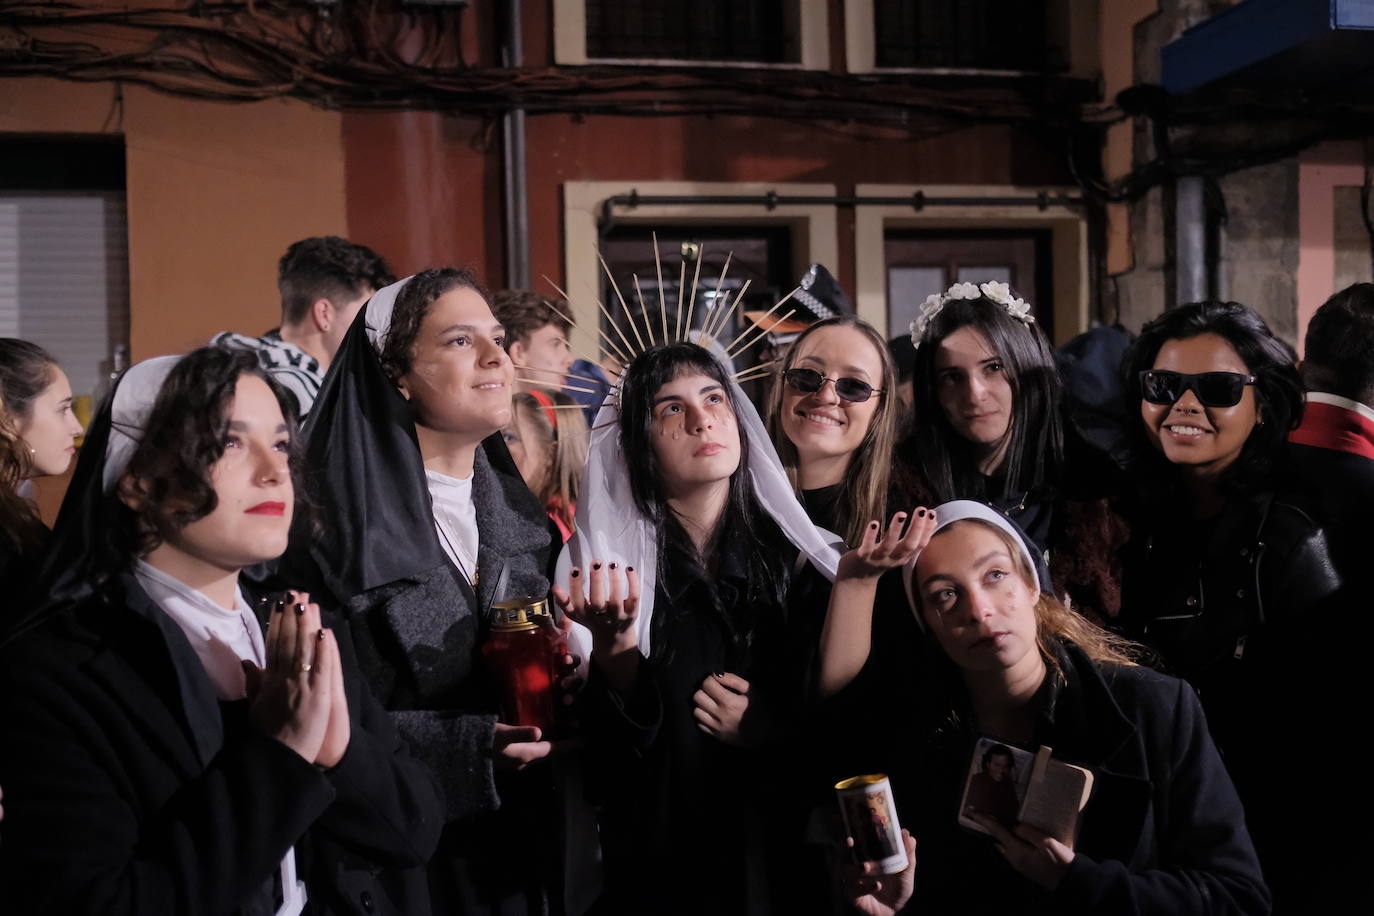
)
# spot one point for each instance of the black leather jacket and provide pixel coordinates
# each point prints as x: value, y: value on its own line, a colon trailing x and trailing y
x: 1249, y: 609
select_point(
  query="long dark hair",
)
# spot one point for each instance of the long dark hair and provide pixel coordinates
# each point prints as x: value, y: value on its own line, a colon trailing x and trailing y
x: 1035, y: 433
x: 182, y: 440
x: 1278, y: 392
x: 26, y: 371
x: 743, y: 523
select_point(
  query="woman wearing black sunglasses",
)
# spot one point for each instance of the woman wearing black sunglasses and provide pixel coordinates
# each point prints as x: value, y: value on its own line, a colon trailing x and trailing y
x: 1227, y: 574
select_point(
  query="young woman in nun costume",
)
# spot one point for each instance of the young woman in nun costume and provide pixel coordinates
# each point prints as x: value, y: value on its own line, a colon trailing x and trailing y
x: 688, y: 568
x: 160, y: 754
x: 426, y: 523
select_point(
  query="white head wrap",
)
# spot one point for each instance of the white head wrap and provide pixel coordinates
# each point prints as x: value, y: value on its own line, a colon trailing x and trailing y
x: 133, y: 401
x: 379, y: 309
x: 957, y: 510
x: 611, y: 529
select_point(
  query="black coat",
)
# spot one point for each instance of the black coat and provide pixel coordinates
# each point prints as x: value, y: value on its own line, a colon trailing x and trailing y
x: 129, y: 789
x: 1250, y: 609
x: 418, y: 625
x: 1163, y: 832
x: 690, y: 824
x: 1343, y: 484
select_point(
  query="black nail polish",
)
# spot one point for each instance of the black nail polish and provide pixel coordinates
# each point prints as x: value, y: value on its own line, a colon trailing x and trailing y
x: 279, y: 605
x: 300, y: 609
x: 320, y: 635
x: 613, y: 566
x: 921, y: 513
x: 576, y: 573
x: 596, y: 566
x: 629, y: 569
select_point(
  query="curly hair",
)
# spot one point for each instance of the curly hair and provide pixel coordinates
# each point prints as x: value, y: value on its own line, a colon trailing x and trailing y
x: 26, y: 371
x: 412, y: 305
x: 326, y: 267
x: 183, y: 438
x: 1035, y: 436
x: 1278, y: 390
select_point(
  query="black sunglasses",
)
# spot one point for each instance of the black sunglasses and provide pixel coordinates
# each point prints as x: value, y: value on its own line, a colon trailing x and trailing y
x: 807, y: 381
x: 1213, y: 389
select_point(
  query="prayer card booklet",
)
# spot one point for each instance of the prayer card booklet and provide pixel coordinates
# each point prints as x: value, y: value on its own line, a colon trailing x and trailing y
x: 1013, y: 786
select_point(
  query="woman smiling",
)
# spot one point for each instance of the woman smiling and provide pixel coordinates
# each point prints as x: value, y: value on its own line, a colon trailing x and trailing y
x: 1228, y: 567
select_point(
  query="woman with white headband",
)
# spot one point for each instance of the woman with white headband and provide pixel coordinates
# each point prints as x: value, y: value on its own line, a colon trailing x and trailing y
x: 159, y: 754
x: 1163, y: 831
x: 427, y: 522
x: 688, y: 568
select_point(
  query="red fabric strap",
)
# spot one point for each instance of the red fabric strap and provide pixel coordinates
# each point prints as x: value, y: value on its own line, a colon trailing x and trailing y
x: 546, y: 402
x: 1336, y: 428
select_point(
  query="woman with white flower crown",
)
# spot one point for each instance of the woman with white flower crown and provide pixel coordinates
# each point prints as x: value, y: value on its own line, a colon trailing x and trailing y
x: 991, y: 426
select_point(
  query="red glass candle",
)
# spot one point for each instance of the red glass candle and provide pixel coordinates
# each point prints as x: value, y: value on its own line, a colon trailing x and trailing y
x: 522, y: 653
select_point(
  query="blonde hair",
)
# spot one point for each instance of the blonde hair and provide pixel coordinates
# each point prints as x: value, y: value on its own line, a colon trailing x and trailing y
x: 1054, y: 621
x: 865, y: 488
x: 563, y: 437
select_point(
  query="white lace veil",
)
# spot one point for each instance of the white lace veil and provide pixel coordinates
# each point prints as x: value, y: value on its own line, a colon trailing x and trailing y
x: 611, y: 529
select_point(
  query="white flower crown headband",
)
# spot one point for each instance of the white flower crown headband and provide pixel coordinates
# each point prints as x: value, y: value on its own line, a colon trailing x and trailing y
x: 993, y: 291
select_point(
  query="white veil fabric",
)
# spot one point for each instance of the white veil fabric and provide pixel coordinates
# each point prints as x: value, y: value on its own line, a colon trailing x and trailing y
x: 611, y: 529
x: 133, y: 401
x: 379, y: 307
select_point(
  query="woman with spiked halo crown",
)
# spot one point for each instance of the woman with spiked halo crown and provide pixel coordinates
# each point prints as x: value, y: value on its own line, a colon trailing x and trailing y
x: 688, y: 577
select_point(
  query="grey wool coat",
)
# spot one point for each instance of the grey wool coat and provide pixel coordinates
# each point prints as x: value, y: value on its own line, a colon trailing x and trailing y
x: 418, y: 637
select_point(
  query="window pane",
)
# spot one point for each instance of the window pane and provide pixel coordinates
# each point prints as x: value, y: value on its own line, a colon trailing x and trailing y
x: 961, y: 34
x: 907, y: 288
x: 985, y: 275
x: 758, y: 31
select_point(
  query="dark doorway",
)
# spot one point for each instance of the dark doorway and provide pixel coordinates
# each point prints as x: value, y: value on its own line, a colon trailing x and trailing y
x: 924, y: 261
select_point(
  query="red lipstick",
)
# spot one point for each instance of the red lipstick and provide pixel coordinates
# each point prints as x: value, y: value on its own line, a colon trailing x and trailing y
x: 268, y: 508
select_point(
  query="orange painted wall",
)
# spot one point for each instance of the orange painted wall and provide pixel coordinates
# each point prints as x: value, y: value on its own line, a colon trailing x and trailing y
x: 216, y: 192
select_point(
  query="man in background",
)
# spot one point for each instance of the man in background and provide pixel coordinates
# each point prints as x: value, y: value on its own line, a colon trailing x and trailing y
x: 323, y: 281
x: 536, y: 339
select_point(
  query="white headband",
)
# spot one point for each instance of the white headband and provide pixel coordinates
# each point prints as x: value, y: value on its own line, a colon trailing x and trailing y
x: 133, y: 401
x: 958, y: 510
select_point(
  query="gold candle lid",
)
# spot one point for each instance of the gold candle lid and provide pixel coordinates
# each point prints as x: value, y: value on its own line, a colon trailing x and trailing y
x: 519, y: 613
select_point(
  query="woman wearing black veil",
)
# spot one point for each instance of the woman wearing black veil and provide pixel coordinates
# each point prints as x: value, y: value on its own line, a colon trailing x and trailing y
x: 159, y: 754
x: 426, y: 522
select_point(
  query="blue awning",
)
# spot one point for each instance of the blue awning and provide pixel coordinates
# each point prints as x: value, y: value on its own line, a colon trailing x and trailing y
x: 1289, y: 43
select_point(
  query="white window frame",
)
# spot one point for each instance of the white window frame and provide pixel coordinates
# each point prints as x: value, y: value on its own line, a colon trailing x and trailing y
x: 570, y: 41
x: 815, y: 236
x: 1068, y: 239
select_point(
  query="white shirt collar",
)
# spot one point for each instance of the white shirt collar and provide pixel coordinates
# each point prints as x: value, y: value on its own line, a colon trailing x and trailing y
x: 221, y: 637
x: 1335, y: 400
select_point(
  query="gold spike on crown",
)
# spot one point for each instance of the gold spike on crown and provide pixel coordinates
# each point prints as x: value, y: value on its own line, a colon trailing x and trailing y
x: 717, y: 315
